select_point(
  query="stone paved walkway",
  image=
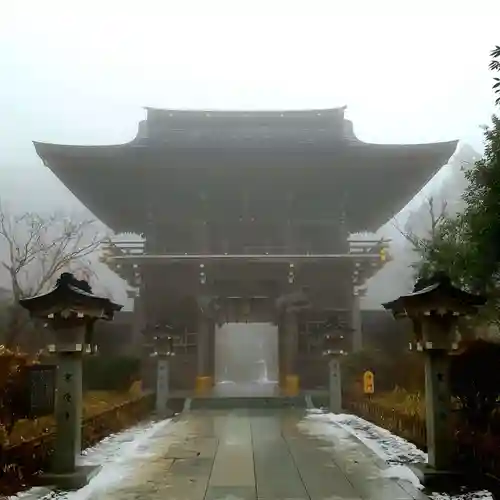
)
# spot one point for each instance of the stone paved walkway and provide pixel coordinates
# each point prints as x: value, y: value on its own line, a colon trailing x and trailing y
x: 255, y: 454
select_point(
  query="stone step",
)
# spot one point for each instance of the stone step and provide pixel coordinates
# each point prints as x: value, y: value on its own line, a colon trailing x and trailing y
x: 222, y: 403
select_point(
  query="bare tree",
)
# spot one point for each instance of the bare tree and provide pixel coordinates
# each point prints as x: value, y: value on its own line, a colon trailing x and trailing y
x: 38, y: 249
x: 436, y: 218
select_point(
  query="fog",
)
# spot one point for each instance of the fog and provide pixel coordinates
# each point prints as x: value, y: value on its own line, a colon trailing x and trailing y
x: 397, y: 276
x: 246, y: 358
x: 409, y: 73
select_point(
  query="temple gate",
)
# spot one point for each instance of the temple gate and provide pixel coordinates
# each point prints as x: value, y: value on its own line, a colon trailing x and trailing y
x: 245, y: 217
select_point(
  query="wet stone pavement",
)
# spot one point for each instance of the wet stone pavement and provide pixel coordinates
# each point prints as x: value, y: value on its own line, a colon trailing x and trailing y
x: 254, y: 454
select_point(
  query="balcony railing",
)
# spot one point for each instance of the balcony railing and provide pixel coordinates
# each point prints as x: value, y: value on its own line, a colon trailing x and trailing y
x: 356, y: 247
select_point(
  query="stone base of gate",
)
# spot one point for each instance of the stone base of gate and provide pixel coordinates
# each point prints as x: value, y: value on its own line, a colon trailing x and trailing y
x: 204, y: 385
x: 291, y: 385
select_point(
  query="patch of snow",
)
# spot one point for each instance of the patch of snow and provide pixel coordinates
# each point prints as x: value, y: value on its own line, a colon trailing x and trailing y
x: 394, y: 450
x: 315, y: 411
x: 391, y: 448
x: 402, y: 473
x: 117, y: 455
x: 476, y: 495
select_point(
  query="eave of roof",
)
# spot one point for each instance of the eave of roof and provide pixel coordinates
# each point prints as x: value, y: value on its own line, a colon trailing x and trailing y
x: 48, y: 151
x: 398, y: 172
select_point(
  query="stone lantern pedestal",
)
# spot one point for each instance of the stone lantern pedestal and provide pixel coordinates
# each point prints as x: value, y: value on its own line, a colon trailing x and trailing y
x: 434, y: 308
x: 334, y: 350
x: 71, y: 311
x: 164, y: 351
x: 334, y: 384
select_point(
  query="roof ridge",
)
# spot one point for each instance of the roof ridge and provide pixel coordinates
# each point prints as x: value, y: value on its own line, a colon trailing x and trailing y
x: 246, y: 111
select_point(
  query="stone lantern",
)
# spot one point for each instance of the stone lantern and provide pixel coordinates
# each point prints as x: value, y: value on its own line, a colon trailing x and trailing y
x: 435, y: 307
x: 70, y: 309
x: 163, y: 350
x: 334, y: 347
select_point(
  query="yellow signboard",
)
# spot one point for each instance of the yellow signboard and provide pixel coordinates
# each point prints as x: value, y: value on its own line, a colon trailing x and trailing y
x: 368, y: 382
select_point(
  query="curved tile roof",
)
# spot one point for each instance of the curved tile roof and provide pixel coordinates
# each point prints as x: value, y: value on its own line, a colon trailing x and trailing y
x: 316, y: 148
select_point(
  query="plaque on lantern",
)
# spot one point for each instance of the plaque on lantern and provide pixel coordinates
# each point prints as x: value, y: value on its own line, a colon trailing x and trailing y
x: 40, y: 389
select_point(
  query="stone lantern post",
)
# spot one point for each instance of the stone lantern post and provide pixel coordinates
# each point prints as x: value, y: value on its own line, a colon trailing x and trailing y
x: 434, y: 308
x: 335, y: 347
x: 164, y: 349
x: 70, y: 309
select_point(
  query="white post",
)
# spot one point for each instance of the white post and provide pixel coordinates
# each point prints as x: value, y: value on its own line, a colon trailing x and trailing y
x: 162, y: 386
x: 335, y: 386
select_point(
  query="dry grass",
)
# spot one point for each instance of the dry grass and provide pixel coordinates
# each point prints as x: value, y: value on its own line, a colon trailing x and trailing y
x: 94, y: 403
x: 403, y: 402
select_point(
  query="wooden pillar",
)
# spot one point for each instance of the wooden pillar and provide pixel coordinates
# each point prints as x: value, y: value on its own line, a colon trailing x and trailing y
x: 356, y: 324
x: 290, y: 348
x: 204, y: 379
x: 211, y: 351
x: 281, y: 353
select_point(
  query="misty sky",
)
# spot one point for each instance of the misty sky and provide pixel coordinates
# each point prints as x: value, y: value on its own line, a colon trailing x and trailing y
x: 81, y: 74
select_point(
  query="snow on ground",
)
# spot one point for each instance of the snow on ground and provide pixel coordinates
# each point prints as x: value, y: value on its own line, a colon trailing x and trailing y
x: 476, y: 495
x: 117, y: 455
x: 344, y: 427
x: 394, y: 450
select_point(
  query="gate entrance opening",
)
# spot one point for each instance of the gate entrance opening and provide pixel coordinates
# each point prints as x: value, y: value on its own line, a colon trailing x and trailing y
x: 246, y: 359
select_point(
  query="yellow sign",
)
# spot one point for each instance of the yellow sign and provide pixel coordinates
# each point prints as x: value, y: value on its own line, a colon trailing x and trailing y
x: 368, y: 382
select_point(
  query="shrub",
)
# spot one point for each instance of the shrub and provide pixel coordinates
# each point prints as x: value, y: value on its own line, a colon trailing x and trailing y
x: 110, y: 373
x: 475, y: 382
x: 12, y: 387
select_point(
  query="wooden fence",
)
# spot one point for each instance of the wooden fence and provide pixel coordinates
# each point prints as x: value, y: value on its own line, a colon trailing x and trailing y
x: 20, y: 463
x: 475, y: 452
x: 412, y: 428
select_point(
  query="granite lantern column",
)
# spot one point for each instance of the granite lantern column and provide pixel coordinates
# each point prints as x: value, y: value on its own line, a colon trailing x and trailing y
x: 69, y: 394
x: 164, y: 349
x: 71, y: 310
x: 435, y: 307
x: 334, y: 379
x: 335, y: 347
x: 334, y: 385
